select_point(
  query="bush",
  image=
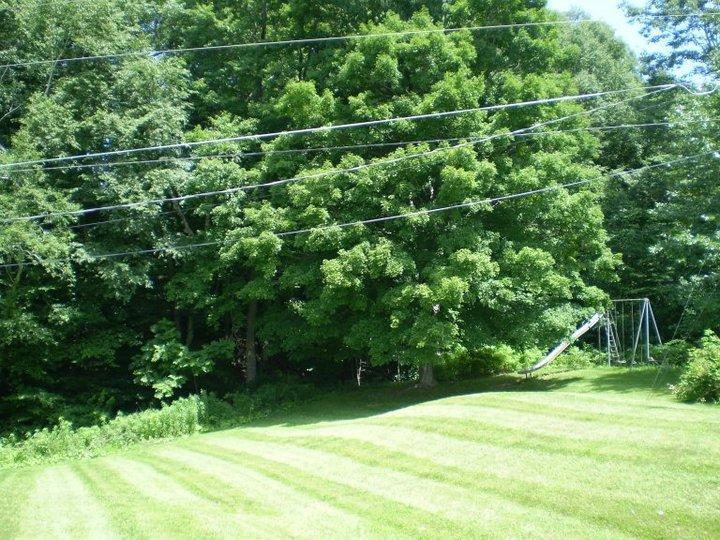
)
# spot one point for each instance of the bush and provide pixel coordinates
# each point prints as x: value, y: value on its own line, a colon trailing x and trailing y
x: 485, y: 362
x: 247, y: 405
x: 63, y: 441
x: 579, y: 358
x: 184, y: 416
x: 673, y: 353
x: 700, y: 380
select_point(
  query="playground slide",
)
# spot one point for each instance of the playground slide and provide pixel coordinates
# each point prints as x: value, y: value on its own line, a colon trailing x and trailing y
x: 557, y: 351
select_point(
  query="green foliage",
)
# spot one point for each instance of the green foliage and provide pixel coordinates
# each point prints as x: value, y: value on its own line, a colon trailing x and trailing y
x: 487, y: 361
x: 165, y: 364
x: 700, y: 380
x: 579, y: 358
x: 184, y: 416
x: 673, y: 353
x: 666, y: 221
x: 248, y: 404
x: 477, y: 290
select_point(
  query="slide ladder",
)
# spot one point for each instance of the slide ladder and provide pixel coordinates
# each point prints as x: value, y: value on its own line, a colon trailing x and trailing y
x: 557, y: 351
x: 615, y: 356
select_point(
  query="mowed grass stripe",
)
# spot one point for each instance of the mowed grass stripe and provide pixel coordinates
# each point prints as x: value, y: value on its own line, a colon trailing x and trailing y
x: 61, y: 506
x: 585, y: 454
x: 470, y: 507
x: 652, y: 408
x: 387, y: 518
x: 534, y: 423
x: 278, y: 507
x: 239, y: 513
x: 696, y: 443
x: 15, y: 489
x: 555, y: 493
x: 208, y: 514
x: 142, y: 503
x: 582, y: 410
x: 670, y: 463
x: 593, y: 478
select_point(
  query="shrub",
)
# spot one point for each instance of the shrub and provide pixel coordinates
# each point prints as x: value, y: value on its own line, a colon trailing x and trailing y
x: 486, y: 361
x: 246, y: 405
x: 63, y: 441
x: 674, y: 353
x: 184, y: 416
x: 166, y: 364
x: 579, y: 358
x: 700, y: 380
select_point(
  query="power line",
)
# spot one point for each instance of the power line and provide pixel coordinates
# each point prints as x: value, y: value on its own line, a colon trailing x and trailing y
x: 241, y: 154
x: 493, y: 200
x: 522, y: 135
x: 335, y: 127
x: 110, y: 221
x: 321, y: 174
x: 383, y: 219
x: 330, y: 39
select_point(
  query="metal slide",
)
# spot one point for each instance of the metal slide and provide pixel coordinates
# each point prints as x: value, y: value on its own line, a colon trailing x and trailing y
x: 557, y: 351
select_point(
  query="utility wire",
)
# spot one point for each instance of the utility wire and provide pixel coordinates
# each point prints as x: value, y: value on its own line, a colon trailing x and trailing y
x: 110, y: 221
x: 330, y: 39
x: 335, y: 127
x: 522, y: 135
x: 383, y: 219
x: 242, y: 154
x: 321, y: 174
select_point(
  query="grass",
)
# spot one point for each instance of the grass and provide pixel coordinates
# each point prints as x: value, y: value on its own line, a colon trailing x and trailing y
x: 589, y: 453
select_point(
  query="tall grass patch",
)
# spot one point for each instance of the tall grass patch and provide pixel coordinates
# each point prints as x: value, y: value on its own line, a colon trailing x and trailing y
x: 183, y: 417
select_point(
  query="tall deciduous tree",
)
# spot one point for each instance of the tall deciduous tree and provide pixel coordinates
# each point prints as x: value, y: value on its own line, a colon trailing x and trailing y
x: 433, y: 289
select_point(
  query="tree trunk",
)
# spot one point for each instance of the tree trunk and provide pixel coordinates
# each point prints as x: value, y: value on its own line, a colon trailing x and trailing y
x: 190, y: 337
x: 251, y: 350
x: 260, y: 84
x: 179, y: 211
x: 427, y: 376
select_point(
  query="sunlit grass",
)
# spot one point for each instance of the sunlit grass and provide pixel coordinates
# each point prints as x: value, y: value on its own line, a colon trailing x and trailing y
x: 595, y: 453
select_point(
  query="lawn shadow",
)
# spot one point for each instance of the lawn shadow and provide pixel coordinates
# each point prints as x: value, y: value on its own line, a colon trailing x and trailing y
x: 354, y: 403
x: 653, y: 379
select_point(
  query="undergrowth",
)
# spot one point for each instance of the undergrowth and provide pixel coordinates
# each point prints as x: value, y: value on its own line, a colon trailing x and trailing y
x: 185, y: 416
x: 700, y: 380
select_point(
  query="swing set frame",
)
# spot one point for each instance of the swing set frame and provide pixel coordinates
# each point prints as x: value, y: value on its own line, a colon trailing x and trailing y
x: 629, y: 325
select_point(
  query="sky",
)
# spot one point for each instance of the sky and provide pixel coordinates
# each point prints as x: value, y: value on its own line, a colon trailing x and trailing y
x: 609, y: 12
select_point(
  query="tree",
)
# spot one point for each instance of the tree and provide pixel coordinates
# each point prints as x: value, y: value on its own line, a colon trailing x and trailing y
x: 666, y: 221
x: 73, y: 320
x: 432, y: 289
x: 231, y: 286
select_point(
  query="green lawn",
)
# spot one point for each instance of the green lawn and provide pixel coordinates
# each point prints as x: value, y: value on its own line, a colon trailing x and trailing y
x: 582, y: 454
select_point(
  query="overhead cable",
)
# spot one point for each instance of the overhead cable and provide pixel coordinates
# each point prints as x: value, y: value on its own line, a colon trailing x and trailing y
x: 335, y: 127
x: 383, y: 219
x: 357, y: 168
x: 328, y: 39
x: 519, y: 136
x: 320, y: 149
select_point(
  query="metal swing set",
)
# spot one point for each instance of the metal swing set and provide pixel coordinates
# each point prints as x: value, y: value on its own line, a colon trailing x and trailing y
x: 629, y: 326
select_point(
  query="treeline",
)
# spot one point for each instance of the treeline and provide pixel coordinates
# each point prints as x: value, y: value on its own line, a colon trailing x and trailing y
x: 110, y: 310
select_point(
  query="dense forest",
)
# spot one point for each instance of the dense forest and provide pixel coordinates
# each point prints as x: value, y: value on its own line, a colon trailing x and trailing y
x: 153, y: 246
